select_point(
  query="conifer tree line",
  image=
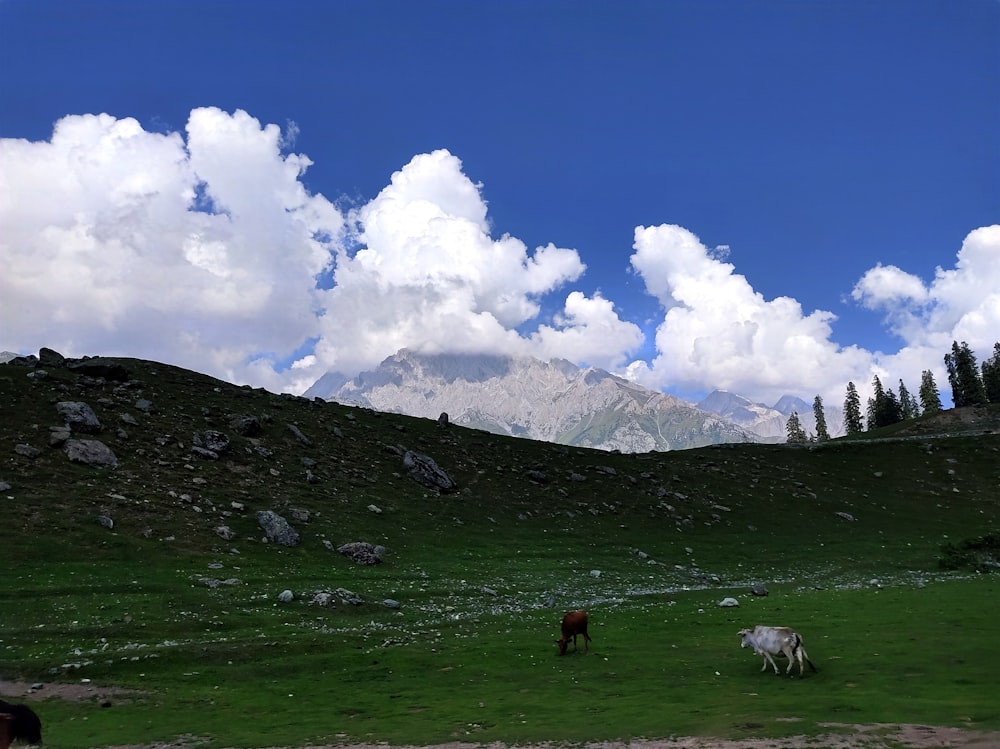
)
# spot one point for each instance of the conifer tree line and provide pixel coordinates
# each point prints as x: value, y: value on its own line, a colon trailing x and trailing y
x: 971, y: 385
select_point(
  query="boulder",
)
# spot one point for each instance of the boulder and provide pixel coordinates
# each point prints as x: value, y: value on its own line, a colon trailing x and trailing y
x: 99, y: 367
x: 362, y: 553
x: 277, y: 529
x: 90, y: 452
x: 425, y: 471
x: 79, y: 416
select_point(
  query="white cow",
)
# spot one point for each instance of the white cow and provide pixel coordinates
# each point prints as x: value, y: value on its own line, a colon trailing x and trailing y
x: 772, y: 641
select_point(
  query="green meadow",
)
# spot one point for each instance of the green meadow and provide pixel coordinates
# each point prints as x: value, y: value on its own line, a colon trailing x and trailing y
x: 451, y: 637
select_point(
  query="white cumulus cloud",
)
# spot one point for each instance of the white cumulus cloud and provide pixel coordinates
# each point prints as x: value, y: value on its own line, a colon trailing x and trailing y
x: 718, y: 332
x: 429, y: 276
x: 201, y: 251
x: 205, y: 249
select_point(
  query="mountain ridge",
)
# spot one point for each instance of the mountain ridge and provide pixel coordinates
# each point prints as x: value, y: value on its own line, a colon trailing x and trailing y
x: 553, y: 401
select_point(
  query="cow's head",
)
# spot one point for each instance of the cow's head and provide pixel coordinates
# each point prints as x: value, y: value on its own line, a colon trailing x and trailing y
x: 23, y: 723
x: 562, y: 645
x: 746, y: 638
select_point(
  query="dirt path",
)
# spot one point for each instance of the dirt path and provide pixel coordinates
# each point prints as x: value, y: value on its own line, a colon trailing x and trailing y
x: 842, y: 736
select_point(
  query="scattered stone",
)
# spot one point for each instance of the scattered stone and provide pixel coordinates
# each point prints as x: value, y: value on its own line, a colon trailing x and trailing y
x: 729, y: 603
x: 375, y: 508
x: 595, y: 573
x: 286, y: 596
x: 106, y: 521
x: 758, y: 589
x: 390, y: 603
x: 225, y: 532
x: 846, y: 516
x: 299, y: 515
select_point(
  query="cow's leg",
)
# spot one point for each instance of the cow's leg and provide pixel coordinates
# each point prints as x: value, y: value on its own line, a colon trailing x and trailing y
x: 790, y: 654
x: 768, y: 658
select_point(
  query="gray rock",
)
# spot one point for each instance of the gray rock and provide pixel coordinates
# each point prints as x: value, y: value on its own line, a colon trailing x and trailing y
x: 390, y: 603
x: 79, y: 417
x: 426, y: 472
x: 49, y: 358
x: 90, y: 452
x: 347, y: 596
x: 729, y: 603
x: 322, y: 598
x: 286, y: 596
x: 362, y: 553
x: 758, y: 589
x: 248, y: 426
x: 225, y: 532
x: 98, y: 367
x: 212, y: 440
x: 297, y: 433
x: 27, y: 451
x: 58, y: 436
x: 277, y: 529
x: 106, y: 521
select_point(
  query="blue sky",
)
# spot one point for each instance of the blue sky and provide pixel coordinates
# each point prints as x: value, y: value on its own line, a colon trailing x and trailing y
x: 761, y: 196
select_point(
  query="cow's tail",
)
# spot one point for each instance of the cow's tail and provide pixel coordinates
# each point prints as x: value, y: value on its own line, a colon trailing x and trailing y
x: 798, y: 647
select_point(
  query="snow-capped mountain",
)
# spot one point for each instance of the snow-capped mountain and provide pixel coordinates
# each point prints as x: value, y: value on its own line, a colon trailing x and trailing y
x: 553, y: 401
x: 770, y: 422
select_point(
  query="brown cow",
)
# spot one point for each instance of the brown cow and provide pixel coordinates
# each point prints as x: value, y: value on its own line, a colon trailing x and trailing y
x: 18, y: 722
x: 573, y: 624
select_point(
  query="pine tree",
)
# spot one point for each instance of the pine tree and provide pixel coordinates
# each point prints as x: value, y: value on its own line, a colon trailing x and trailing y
x: 963, y: 375
x: 796, y: 434
x: 930, y: 398
x: 822, y: 433
x: 909, y: 408
x: 852, y: 411
x: 874, y: 403
x: 883, y: 407
x: 991, y: 375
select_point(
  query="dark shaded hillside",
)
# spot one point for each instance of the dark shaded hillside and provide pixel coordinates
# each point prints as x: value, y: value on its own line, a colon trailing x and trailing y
x: 153, y: 575
x: 337, y: 463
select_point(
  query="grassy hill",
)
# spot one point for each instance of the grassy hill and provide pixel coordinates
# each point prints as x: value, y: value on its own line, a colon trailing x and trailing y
x: 451, y: 636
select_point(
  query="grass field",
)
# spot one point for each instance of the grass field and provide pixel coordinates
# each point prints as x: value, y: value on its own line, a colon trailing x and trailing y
x: 847, y: 537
